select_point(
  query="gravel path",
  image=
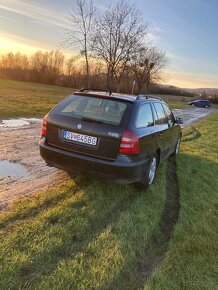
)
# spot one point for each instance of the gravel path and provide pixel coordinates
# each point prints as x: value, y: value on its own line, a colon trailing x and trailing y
x: 193, y: 114
x: 20, y: 146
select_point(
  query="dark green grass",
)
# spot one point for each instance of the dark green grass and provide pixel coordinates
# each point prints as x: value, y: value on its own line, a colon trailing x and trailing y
x: 90, y: 235
x: 22, y: 99
x: 176, y: 102
x: 191, y: 261
x: 81, y: 235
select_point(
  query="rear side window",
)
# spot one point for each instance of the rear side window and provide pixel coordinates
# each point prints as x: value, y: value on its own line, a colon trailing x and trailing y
x: 92, y: 108
x: 160, y: 114
x: 169, y: 114
x: 144, y: 116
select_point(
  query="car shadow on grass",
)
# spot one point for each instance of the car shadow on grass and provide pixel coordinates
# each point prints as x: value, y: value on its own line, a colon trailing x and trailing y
x: 142, y: 223
x: 94, y: 204
x: 128, y: 210
x: 157, y: 243
x: 196, y: 188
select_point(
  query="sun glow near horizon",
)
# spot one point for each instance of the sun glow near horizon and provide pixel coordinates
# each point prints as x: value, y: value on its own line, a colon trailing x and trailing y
x: 176, y: 78
x: 12, y: 45
x: 29, y: 26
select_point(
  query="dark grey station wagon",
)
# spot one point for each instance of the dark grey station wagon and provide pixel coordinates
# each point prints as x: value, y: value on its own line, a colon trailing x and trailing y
x: 110, y: 136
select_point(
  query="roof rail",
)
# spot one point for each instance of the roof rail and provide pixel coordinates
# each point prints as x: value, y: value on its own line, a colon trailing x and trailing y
x: 140, y: 97
x: 95, y: 90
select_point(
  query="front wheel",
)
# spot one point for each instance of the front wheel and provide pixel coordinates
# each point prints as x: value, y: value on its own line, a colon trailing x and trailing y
x: 176, y: 151
x: 152, y: 170
x: 150, y: 173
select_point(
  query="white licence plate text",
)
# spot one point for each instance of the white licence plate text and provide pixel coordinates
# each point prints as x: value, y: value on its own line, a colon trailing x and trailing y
x: 80, y: 138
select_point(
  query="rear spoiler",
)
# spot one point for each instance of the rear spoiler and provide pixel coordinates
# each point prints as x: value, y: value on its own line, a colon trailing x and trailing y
x: 103, y: 96
x: 95, y: 90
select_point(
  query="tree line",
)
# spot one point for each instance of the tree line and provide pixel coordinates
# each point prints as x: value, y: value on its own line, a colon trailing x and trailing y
x: 41, y: 67
x: 52, y: 67
x: 111, y: 48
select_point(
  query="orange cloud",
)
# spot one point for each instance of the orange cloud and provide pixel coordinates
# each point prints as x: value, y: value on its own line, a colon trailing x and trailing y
x: 12, y: 43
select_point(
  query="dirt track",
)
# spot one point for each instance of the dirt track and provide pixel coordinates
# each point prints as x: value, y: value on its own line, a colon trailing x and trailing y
x: 20, y: 145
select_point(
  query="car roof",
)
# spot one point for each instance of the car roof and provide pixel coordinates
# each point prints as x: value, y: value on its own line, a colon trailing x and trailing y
x: 110, y: 95
x: 202, y: 100
x: 196, y: 101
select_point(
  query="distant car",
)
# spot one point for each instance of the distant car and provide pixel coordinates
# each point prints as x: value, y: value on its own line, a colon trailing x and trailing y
x: 201, y: 103
x: 119, y: 138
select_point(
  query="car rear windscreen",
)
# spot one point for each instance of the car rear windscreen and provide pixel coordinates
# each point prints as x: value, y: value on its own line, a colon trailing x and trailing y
x: 93, y: 108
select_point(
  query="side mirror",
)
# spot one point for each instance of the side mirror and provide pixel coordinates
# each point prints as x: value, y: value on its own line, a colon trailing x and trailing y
x: 179, y: 120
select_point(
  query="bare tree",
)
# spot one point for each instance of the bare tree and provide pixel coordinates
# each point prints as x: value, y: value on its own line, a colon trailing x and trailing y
x: 77, y: 36
x: 118, y: 32
x: 71, y: 65
x: 55, y: 62
x: 147, y: 65
x: 14, y: 65
x: 72, y: 69
x: 47, y: 66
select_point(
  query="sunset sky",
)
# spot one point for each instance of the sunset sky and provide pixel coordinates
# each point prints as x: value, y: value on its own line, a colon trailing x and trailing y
x: 187, y: 30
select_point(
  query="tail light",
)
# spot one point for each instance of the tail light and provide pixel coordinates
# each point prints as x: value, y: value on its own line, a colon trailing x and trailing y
x: 129, y: 143
x: 44, y: 125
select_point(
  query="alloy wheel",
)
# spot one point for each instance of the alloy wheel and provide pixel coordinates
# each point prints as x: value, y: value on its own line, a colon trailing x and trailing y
x: 152, y: 170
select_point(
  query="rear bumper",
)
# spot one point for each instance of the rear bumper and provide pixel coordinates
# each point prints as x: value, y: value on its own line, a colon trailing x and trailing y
x: 123, y: 170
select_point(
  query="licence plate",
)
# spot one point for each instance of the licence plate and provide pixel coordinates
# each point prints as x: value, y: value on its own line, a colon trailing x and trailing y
x: 80, y: 138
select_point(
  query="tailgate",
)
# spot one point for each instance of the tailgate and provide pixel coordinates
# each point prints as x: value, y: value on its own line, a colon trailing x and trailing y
x: 89, y: 125
x: 105, y: 140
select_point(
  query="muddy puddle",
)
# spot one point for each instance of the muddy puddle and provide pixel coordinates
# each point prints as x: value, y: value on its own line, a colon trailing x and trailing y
x: 12, y: 169
x: 15, y: 123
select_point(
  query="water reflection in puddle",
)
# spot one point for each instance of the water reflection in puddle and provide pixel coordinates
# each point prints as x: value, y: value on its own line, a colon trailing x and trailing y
x: 9, y: 169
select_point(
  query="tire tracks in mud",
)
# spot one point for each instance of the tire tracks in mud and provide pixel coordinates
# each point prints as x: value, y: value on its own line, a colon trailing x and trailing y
x: 160, y: 238
x: 191, y: 136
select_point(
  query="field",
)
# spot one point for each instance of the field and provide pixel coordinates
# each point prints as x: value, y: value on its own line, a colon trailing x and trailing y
x: 85, y: 234
x: 22, y: 99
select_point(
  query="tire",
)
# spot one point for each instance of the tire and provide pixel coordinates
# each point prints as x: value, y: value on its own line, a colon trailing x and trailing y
x: 150, y: 174
x: 177, y: 147
x: 49, y: 164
